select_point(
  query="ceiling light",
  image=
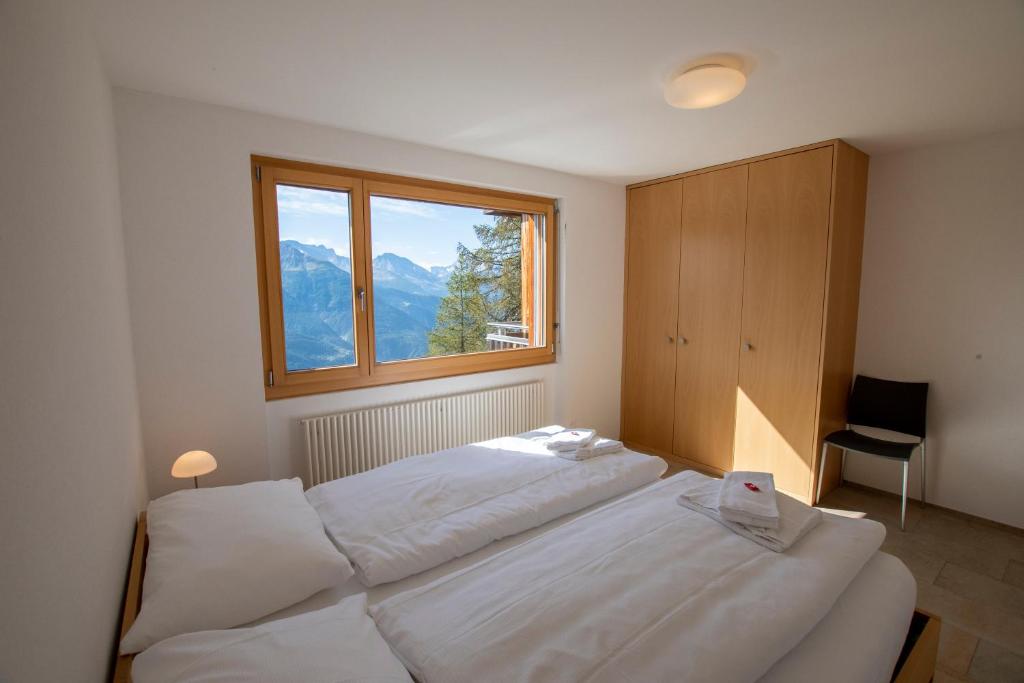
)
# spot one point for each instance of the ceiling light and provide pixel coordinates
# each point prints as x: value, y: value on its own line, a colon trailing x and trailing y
x: 708, y: 85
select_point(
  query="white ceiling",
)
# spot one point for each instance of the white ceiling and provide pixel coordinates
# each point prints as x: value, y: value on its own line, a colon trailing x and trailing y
x: 576, y: 85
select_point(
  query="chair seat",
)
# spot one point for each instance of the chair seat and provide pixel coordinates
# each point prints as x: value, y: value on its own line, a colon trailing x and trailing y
x: 854, y: 441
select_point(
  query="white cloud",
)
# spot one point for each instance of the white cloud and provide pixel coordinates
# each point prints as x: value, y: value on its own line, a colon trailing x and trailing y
x: 302, y: 200
x: 403, y: 206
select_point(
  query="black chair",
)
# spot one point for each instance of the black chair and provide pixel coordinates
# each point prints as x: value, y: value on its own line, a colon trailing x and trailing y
x: 885, y: 404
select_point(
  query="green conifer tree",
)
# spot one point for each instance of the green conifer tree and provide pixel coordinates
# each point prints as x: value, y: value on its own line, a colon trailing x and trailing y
x: 486, y: 286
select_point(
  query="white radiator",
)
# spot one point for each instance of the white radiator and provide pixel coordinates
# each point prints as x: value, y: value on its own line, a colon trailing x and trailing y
x: 358, y: 440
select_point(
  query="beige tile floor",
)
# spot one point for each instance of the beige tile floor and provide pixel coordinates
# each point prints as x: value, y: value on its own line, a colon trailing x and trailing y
x: 968, y: 571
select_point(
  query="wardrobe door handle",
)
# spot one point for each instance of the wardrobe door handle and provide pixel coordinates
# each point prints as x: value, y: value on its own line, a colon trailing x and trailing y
x: 683, y: 341
x: 670, y: 339
x: 747, y: 346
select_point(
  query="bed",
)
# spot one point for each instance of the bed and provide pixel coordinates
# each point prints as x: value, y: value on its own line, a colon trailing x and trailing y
x: 415, y: 514
x: 639, y: 589
x: 874, y: 608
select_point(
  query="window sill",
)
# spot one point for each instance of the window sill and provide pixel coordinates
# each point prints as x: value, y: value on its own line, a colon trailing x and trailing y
x: 417, y: 371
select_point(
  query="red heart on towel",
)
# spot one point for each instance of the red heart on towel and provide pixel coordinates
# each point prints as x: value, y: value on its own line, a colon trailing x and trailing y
x: 752, y: 487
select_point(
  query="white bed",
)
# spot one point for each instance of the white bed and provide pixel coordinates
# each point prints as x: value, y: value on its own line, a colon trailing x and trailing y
x: 640, y: 589
x: 861, y: 637
x: 857, y: 640
x: 415, y: 514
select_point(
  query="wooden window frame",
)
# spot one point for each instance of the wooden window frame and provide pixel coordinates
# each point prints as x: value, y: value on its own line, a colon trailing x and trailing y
x: 267, y: 172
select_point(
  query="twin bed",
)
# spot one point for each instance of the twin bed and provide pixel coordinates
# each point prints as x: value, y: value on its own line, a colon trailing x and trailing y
x: 502, y: 562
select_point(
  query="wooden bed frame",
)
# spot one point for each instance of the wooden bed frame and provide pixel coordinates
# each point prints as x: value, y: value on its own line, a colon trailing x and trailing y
x: 920, y: 650
x: 132, y: 598
x: 916, y: 663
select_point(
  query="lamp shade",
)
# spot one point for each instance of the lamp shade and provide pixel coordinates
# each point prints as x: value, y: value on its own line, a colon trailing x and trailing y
x: 193, y: 464
x: 705, y: 86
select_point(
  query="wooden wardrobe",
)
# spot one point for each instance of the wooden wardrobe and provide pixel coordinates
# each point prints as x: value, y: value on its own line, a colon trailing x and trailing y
x: 742, y: 284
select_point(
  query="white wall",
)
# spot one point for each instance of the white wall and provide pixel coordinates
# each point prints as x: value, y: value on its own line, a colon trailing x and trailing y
x: 71, y: 479
x: 942, y: 300
x: 187, y: 209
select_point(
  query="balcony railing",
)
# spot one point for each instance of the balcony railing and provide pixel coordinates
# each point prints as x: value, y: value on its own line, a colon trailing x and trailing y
x: 507, y: 336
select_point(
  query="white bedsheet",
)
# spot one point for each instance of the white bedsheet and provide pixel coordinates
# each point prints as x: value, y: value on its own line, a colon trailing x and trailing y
x: 860, y: 639
x: 639, y: 589
x: 415, y: 514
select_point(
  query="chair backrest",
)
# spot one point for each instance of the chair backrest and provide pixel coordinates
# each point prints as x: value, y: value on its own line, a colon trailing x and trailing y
x: 886, y: 404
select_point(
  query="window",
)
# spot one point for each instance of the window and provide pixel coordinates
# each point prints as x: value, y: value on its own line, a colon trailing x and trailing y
x: 370, y: 279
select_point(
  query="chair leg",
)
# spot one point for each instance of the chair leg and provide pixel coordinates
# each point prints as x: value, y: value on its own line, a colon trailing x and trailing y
x: 821, y: 472
x: 903, y: 504
x: 923, y: 487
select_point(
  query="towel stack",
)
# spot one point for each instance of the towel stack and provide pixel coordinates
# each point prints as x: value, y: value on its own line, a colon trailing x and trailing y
x: 570, y: 439
x: 749, y: 498
x: 595, y: 448
x: 581, y: 444
x: 749, y: 511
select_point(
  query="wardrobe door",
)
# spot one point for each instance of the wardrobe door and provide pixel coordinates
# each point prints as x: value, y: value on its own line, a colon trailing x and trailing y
x: 783, y: 295
x: 710, y: 299
x: 652, y: 285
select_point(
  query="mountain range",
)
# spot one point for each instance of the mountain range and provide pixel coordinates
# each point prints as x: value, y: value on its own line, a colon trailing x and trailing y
x: 316, y: 285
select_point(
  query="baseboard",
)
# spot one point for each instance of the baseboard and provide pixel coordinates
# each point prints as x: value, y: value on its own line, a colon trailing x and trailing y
x: 1009, y: 528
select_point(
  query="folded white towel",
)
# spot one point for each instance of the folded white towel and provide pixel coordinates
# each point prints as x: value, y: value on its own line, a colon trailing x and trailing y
x: 738, y: 503
x: 592, y: 450
x: 570, y: 439
x: 795, y: 518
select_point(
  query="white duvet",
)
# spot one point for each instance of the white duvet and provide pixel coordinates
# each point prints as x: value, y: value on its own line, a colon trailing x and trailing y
x: 641, y: 589
x: 415, y: 514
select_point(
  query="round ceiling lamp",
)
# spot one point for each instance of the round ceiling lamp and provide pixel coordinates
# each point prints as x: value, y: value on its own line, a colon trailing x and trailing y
x: 708, y: 85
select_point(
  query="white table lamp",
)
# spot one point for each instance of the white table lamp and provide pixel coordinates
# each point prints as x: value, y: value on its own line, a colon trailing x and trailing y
x: 193, y: 464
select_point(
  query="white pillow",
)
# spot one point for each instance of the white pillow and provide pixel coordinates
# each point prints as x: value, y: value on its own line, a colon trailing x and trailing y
x: 331, y: 645
x: 225, y: 556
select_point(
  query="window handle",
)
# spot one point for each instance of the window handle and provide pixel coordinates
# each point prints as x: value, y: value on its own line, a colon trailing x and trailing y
x: 362, y: 298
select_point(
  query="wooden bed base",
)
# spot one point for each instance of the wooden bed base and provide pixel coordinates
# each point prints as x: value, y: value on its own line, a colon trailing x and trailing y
x: 132, y: 598
x: 916, y: 663
x: 920, y: 650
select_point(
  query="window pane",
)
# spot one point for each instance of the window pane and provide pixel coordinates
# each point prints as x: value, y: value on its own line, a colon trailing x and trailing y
x: 450, y: 279
x: 316, y: 277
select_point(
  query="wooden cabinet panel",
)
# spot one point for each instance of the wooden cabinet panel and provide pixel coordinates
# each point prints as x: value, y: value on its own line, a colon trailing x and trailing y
x: 652, y: 285
x: 783, y: 304
x: 846, y: 242
x: 710, y: 299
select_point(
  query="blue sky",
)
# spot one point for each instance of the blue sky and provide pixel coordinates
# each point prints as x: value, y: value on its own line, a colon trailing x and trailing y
x: 422, y: 232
